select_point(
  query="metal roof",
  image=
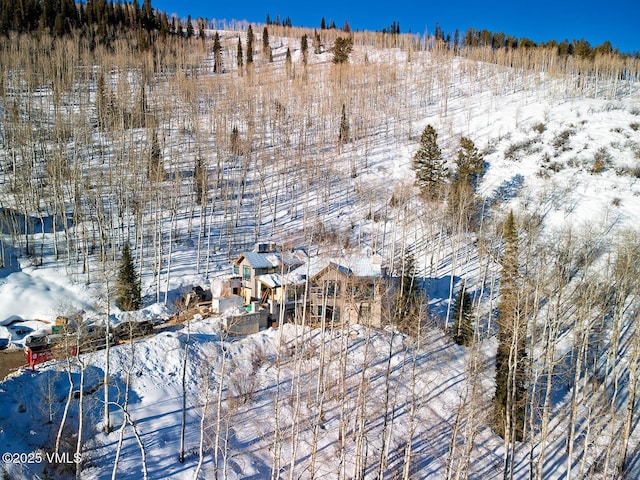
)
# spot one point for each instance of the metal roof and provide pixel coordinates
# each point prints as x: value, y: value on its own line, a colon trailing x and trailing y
x: 270, y: 259
x: 359, y: 266
x: 258, y: 260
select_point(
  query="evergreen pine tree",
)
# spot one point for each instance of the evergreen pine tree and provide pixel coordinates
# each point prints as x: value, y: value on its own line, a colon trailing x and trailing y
x: 407, y: 296
x: 240, y: 56
x: 409, y: 286
x: 428, y: 164
x: 470, y: 163
x: 265, y: 38
x: 343, y: 135
x: 164, y: 25
x: 249, y: 46
x: 128, y: 295
x: 462, y: 200
x: 342, y: 49
x: 462, y: 319
x: 511, y: 391
x: 217, y: 54
x: 147, y: 16
x: 304, y: 48
x: 287, y: 62
x: 190, y: 31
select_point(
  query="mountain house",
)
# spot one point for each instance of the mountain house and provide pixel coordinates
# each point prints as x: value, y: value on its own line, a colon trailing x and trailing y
x: 338, y: 290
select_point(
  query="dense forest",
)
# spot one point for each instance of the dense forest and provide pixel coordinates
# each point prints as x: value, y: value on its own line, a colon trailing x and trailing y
x: 100, y: 21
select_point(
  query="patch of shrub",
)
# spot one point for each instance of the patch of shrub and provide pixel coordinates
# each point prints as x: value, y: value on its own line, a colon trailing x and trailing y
x: 598, y: 166
x: 603, y: 155
x: 634, y: 147
x: 611, y: 106
x: 540, y: 128
x: 528, y: 147
x: 555, y: 166
x: 635, y: 126
x: 574, y: 162
x: 489, y: 149
x: 561, y: 141
x: 628, y: 171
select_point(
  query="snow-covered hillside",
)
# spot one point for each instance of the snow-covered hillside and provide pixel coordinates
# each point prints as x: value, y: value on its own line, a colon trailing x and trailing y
x: 561, y: 152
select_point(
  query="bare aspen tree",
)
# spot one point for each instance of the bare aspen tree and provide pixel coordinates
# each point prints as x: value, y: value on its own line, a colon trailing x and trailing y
x: 625, y: 279
x: 219, y: 436
x: 126, y: 418
x: 183, y: 426
x: 81, y: 415
x: 68, y: 401
x: 631, y: 413
x: 203, y: 416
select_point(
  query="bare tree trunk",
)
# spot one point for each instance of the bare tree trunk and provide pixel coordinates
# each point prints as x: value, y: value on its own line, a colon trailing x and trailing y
x: 107, y: 351
x: 219, y: 399
x: 80, y: 439
x: 66, y: 405
x: 184, y: 396
x: 125, y: 407
x: 203, y: 419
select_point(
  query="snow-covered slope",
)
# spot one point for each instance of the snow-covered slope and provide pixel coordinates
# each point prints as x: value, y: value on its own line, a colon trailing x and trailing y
x: 298, y: 402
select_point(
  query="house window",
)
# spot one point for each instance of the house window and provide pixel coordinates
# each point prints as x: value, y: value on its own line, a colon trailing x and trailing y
x: 292, y: 294
x: 332, y: 314
x: 236, y: 269
x: 364, y: 290
x: 246, y: 273
x: 369, y: 290
x: 364, y: 312
x: 332, y: 288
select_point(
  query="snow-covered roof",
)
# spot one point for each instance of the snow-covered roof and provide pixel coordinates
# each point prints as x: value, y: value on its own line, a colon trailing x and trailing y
x: 359, y: 266
x: 272, y: 280
x: 275, y: 280
x: 257, y: 260
x: 273, y: 259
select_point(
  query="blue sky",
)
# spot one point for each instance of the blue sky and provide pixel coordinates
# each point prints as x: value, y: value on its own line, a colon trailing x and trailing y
x: 540, y: 20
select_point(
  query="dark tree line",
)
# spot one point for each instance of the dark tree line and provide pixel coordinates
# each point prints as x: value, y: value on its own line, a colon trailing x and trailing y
x: 100, y: 20
x: 485, y: 38
x: 278, y: 22
x: 393, y: 29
